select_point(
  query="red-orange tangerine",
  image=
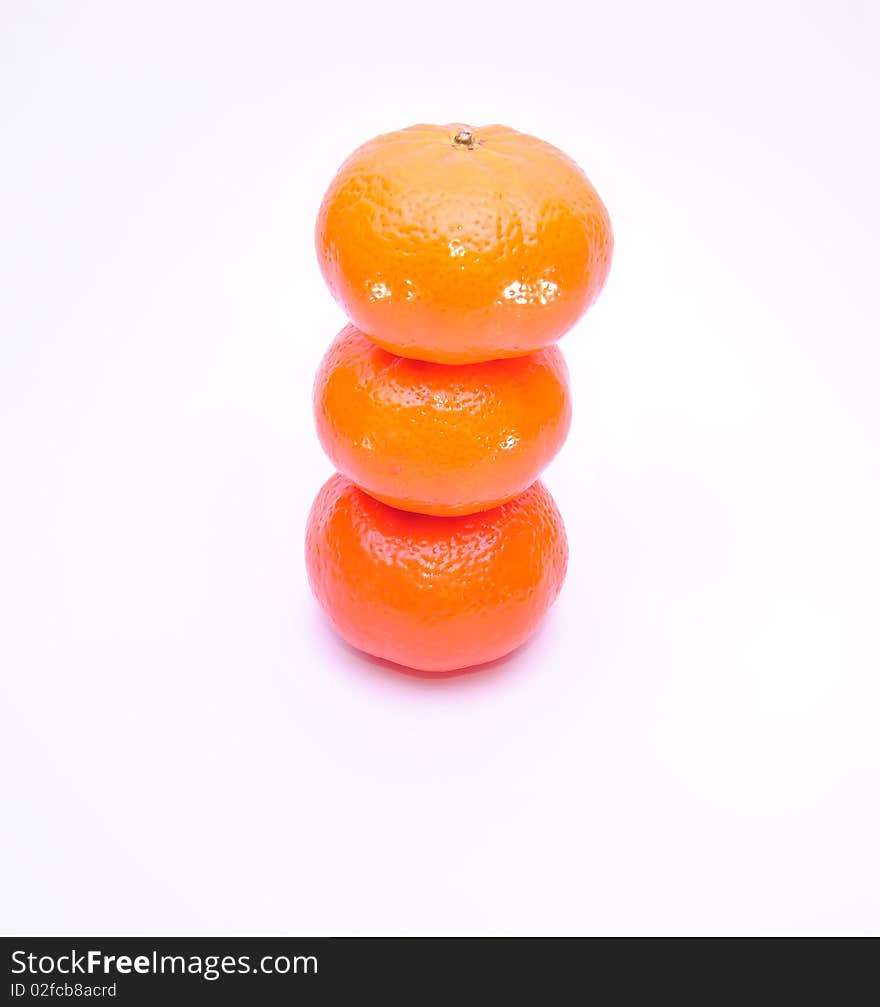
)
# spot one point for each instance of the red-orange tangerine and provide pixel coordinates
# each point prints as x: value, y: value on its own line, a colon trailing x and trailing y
x: 435, y: 594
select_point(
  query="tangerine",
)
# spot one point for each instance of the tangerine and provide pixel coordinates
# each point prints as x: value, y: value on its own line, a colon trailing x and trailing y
x: 458, y: 244
x: 437, y: 439
x: 434, y: 594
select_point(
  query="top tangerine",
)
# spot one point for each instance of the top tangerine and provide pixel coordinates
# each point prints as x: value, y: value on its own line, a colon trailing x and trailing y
x: 457, y: 244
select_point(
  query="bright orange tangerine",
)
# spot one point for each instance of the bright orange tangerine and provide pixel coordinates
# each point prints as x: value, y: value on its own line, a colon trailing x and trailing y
x: 459, y: 244
x: 439, y: 439
x: 434, y: 594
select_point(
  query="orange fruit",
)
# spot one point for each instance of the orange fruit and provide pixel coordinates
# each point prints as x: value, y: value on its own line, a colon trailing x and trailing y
x: 438, y: 439
x: 458, y: 244
x: 435, y: 594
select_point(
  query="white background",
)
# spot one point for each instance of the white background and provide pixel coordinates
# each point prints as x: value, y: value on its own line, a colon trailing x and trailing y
x: 691, y: 743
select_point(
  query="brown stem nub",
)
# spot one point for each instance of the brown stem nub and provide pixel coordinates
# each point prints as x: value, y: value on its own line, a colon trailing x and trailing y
x: 465, y: 138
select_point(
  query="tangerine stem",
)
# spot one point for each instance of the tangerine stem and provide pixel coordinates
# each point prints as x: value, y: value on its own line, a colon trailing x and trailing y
x: 465, y: 138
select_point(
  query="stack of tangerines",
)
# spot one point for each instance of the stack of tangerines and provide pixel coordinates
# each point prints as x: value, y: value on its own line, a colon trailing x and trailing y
x: 460, y: 255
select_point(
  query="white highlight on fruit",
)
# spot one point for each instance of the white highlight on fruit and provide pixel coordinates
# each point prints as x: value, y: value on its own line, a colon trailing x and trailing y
x: 510, y: 441
x: 524, y: 292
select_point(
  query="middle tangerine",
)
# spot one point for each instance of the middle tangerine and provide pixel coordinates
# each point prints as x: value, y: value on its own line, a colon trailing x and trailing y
x: 436, y: 438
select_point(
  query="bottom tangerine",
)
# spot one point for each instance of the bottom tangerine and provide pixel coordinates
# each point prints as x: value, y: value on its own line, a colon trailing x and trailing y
x: 434, y: 594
